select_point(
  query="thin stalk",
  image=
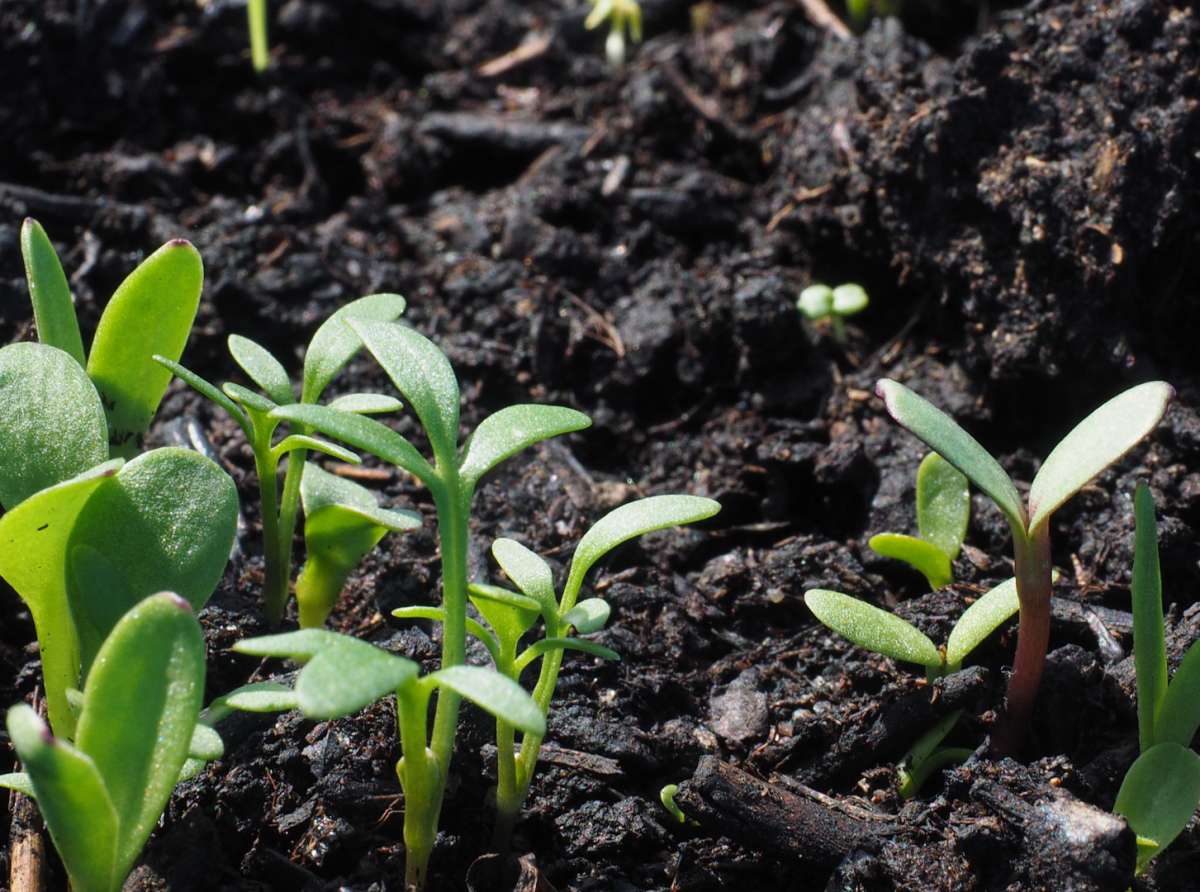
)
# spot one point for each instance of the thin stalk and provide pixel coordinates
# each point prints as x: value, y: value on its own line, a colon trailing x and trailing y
x: 256, y: 11
x: 508, y: 794
x: 275, y: 582
x: 422, y: 778
x: 1033, y: 571
x: 288, y: 509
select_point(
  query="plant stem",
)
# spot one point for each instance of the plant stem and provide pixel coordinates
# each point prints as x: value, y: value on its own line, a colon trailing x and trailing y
x: 275, y: 579
x: 508, y: 795
x: 288, y: 508
x: 422, y: 778
x: 256, y: 11
x: 1032, y: 553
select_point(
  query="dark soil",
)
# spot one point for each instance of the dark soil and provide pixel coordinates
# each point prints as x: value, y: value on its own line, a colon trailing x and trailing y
x: 1019, y: 202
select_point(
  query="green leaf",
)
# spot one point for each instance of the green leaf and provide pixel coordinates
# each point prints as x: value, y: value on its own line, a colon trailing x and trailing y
x: 366, y: 403
x: 206, y: 744
x: 496, y: 693
x: 1149, y: 641
x: 248, y: 398
x: 53, y: 310
x: 362, y: 433
x: 150, y: 313
x: 143, y: 697
x: 815, y: 302
x: 587, y: 616
x: 528, y: 572
x: 510, y: 430
x: 545, y: 645
x: 261, y: 696
x: 203, y: 387
x: 303, y: 441
x: 334, y: 343
x: 1159, y: 794
x: 343, y: 679
x: 438, y: 614
x: 33, y: 561
x: 942, y: 434
x: 166, y: 522
x: 1179, y: 714
x: 302, y: 645
x: 106, y: 598
x: 422, y: 374
x: 943, y: 504
x: 979, y: 620
x: 263, y: 368
x: 872, y: 628
x: 1095, y: 443
x: 632, y: 520
x: 73, y: 801
x: 911, y: 769
x: 508, y: 613
x: 849, y: 299
x: 52, y: 424
x: 923, y: 556
x: 18, y: 781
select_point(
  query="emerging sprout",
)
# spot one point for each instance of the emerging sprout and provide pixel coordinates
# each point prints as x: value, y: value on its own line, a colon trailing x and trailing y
x: 820, y: 302
x: 926, y: 756
x: 624, y: 15
x: 943, y: 510
x: 256, y: 12
x: 667, y: 797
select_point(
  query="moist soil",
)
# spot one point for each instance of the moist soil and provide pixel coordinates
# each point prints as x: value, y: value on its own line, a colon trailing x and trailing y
x: 1015, y: 188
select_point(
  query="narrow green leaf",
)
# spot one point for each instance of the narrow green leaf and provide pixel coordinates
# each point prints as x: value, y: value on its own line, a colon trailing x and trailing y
x: 20, y: 782
x: 203, y: 387
x: 528, y: 572
x: 366, y: 403
x: 1149, y: 640
x: 942, y: 434
x: 302, y: 645
x: 53, y: 310
x: 546, y: 645
x: 1095, y: 443
x: 422, y: 374
x: 496, y: 693
x: 437, y: 614
x: 143, y: 696
x: 52, y: 424
x: 302, y: 441
x: 872, y: 628
x: 342, y: 680
x: 73, y: 801
x: 632, y: 520
x: 248, y: 398
x: 334, y: 343
x: 923, y: 556
x: 943, y: 504
x: 509, y: 614
x: 1179, y: 713
x: 150, y: 313
x: 510, y: 430
x: 166, y: 522
x: 261, y: 696
x: 587, y: 616
x: 362, y: 433
x: 979, y: 620
x: 33, y: 560
x: 263, y: 368
x: 320, y: 490
x: 206, y: 743
x: 1159, y: 794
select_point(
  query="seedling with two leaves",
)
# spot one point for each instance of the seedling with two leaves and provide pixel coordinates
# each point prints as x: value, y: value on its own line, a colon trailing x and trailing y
x: 820, y: 302
x: 1095, y: 444
x: 343, y: 516
x: 625, y: 16
x: 943, y: 511
x: 1162, y: 788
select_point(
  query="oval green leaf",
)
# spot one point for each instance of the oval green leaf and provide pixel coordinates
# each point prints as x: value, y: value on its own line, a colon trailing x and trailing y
x: 943, y: 504
x: 261, y: 696
x: 496, y: 693
x: 366, y: 403
x: 872, y: 628
x: 334, y: 343
x: 588, y: 616
x: 510, y: 430
x: 528, y: 572
x: 53, y: 310
x: 923, y: 556
x: 979, y: 620
x: 1159, y: 795
x: 302, y: 645
x: 343, y: 679
x: 206, y: 744
x: 263, y: 368
x: 508, y: 613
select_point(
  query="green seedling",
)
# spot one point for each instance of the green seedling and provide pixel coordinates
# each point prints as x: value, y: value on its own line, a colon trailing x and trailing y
x: 943, y: 510
x: 667, y: 797
x: 818, y: 302
x: 1094, y: 445
x: 625, y: 15
x: 1162, y: 788
x: 887, y: 634
x: 425, y: 379
x: 342, y: 675
x: 510, y: 615
x: 927, y: 756
x: 330, y: 349
x: 256, y: 12
x: 342, y: 522
x: 103, y: 795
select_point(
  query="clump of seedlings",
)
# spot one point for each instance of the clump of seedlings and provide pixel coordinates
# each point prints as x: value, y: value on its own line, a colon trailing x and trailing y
x: 1162, y: 788
x: 943, y: 511
x: 820, y: 302
x: 625, y: 16
x: 1095, y: 444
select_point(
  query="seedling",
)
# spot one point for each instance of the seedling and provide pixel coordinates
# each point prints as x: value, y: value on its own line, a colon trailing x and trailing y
x: 927, y: 756
x: 1162, y: 788
x: 256, y: 12
x: 511, y: 615
x: 943, y: 510
x: 343, y: 675
x: 887, y: 634
x: 625, y: 15
x: 330, y: 349
x: 102, y: 796
x: 822, y: 302
x: 1095, y: 444
x: 667, y: 797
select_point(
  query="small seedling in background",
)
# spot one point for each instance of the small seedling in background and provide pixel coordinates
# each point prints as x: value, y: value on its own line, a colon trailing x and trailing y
x: 943, y: 511
x: 625, y: 15
x: 887, y: 634
x: 511, y: 615
x: 256, y: 12
x: 330, y: 349
x: 1162, y: 788
x: 667, y: 797
x: 342, y: 675
x: 858, y: 12
x: 102, y: 796
x: 1094, y: 445
x: 819, y: 302
x: 927, y: 756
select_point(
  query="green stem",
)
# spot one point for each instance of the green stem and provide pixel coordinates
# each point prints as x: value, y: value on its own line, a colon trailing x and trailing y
x: 422, y: 777
x: 274, y: 576
x: 288, y: 509
x: 256, y: 11
x: 509, y: 796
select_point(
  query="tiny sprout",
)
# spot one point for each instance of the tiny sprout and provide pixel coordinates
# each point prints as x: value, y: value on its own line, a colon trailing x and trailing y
x: 926, y: 756
x: 820, y: 301
x: 943, y: 510
x: 667, y: 797
x: 256, y: 12
x: 624, y: 14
